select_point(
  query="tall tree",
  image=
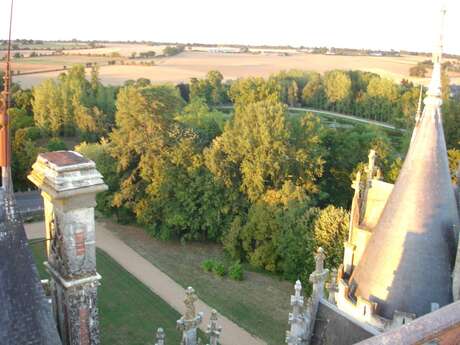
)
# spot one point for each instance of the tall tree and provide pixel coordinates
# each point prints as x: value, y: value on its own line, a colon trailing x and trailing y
x: 293, y: 94
x: 337, y: 85
x: 259, y: 149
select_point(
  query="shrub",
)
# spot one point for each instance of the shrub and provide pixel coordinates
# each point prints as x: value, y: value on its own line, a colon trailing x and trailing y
x: 56, y: 144
x: 236, y: 271
x: 208, y: 265
x: 218, y: 269
x: 34, y: 133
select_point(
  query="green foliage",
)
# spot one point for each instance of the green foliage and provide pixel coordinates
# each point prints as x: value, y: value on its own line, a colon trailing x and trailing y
x: 208, y: 265
x: 19, y: 119
x: 219, y: 269
x: 55, y: 144
x: 293, y: 94
x: 236, y: 272
x: 451, y: 122
x: 22, y: 99
x: 164, y: 181
x: 313, y: 94
x: 207, y: 123
x: 211, y: 89
x: 231, y: 239
x: 25, y: 153
x: 72, y: 104
x: 395, y: 168
x: 253, y: 90
x: 34, y: 133
x: 291, y: 84
x: 257, y: 152
x: 337, y: 85
x: 384, y: 88
x: 409, y: 105
x: 277, y: 233
x: 268, y: 185
x: 330, y: 232
x: 106, y: 165
x: 454, y: 163
x: 346, y: 148
x: 173, y: 50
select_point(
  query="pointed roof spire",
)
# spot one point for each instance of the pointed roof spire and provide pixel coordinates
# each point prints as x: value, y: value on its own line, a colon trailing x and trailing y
x: 406, y: 265
x: 437, y: 53
x: 434, y: 88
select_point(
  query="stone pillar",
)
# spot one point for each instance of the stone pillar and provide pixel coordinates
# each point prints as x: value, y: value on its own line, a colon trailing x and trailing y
x: 297, y: 334
x: 160, y: 337
x: 188, y: 324
x: 318, y: 279
x: 332, y: 286
x: 319, y: 276
x: 69, y: 183
x: 213, y: 330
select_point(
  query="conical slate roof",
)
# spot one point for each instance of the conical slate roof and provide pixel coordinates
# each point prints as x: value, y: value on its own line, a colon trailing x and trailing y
x: 407, y: 263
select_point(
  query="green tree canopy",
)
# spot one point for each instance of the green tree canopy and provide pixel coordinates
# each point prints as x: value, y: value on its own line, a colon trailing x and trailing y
x: 337, y: 85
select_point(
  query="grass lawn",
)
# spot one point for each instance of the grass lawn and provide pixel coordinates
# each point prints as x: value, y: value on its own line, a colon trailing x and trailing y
x: 129, y: 312
x: 260, y: 304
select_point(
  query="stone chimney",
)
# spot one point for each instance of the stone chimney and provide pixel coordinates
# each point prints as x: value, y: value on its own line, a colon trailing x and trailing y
x: 69, y: 184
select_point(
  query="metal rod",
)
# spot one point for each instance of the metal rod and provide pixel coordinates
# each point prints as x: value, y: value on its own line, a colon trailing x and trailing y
x: 7, y: 179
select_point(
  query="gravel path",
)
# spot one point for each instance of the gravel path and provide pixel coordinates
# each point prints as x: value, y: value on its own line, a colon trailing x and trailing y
x: 160, y: 283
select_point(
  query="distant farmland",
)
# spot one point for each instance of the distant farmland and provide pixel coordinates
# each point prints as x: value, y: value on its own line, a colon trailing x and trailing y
x: 190, y: 64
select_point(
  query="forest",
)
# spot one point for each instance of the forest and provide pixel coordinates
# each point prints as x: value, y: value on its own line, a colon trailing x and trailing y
x: 268, y: 184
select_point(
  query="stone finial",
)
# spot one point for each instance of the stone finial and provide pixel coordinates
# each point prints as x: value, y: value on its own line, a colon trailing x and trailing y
x: 357, y: 182
x: 189, y: 323
x: 357, y: 204
x: 190, y: 299
x: 332, y: 286
x: 373, y: 171
x: 297, y: 319
x: 297, y: 299
x: 319, y: 276
x: 160, y: 337
x: 213, y: 330
x: 320, y: 256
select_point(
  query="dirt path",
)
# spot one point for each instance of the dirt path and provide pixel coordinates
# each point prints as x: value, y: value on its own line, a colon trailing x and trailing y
x: 160, y: 283
x: 338, y: 115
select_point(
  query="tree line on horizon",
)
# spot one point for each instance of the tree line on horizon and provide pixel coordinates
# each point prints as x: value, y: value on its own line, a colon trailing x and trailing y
x: 267, y: 184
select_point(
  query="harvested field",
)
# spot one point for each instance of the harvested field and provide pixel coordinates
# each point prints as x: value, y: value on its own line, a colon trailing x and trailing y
x: 45, y: 63
x: 124, y: 50
x: 182, y: 67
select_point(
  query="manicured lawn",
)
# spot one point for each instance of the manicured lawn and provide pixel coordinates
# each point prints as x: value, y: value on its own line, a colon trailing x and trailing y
x: 260, y: 304
x: 129, y: 312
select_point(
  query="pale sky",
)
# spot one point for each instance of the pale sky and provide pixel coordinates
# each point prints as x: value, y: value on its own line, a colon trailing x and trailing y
x: 374, y: 24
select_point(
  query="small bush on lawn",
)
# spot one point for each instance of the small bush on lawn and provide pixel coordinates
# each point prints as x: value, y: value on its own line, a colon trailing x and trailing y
x: 219, y: 269
x: 208, y: 265
x: 236, y: 271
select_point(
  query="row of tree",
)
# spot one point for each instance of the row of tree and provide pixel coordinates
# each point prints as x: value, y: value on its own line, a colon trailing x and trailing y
x: 259, y: 181
x: 268, y: 184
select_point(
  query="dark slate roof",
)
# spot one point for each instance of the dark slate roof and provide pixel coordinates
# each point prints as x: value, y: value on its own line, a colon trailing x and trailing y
x: 333, y: 326
x: 407, y: 263
x: 25, y: 314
